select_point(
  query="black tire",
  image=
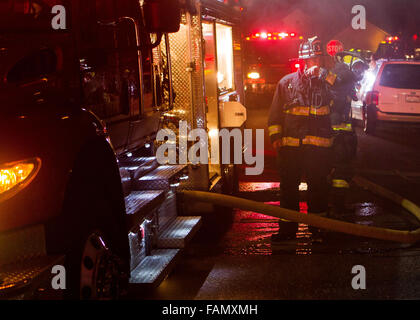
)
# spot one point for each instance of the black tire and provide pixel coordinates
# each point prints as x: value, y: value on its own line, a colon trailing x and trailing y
x: 369, y: 119
x: 94, y: 201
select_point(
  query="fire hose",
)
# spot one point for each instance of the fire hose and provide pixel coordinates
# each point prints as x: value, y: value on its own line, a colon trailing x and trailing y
x: 310, y: 219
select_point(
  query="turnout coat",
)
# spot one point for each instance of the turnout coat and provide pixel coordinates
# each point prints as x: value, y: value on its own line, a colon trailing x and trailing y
x: 301, y: 108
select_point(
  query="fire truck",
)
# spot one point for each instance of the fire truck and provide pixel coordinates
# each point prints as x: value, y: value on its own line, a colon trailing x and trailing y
x: 399, y: 47
x: 269, y: 55
x: 85, y: 88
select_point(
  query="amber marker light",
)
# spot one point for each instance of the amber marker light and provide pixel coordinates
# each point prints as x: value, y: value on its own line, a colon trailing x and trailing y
x: 15, y: 176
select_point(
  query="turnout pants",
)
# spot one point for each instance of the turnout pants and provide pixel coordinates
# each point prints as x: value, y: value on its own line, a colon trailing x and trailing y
x: 344, y: 148
x: 309, y: 163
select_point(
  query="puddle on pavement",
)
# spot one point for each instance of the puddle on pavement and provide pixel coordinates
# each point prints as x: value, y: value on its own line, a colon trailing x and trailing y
x: 251, y: 232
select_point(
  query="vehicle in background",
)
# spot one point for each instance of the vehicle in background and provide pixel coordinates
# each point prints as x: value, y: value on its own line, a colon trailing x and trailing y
x: 399, y: 47
x: 389, y: 91
x: 268, y: 56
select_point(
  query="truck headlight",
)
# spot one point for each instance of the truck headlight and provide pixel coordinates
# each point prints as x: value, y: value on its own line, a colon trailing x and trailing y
x: 16, y: 176
x: 254, y: 75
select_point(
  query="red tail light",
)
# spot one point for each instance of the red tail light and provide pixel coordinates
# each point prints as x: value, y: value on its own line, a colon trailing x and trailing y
x: 372, y: 97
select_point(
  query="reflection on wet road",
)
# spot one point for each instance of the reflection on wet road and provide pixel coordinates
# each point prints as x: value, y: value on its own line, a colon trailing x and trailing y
x: 251, y: 232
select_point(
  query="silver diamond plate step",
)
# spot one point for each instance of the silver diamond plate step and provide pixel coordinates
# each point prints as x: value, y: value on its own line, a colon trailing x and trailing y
x: 135, y: 161
x: 179, y: 232
x: 138, y: 167
x: 153, y: 269
x: 139, y: 203
x: 160, y: 178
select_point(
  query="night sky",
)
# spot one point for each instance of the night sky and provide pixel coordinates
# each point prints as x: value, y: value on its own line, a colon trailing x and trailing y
x: 393, y: 16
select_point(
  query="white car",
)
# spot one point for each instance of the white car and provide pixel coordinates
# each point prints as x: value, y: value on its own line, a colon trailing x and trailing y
x: 388, y: 92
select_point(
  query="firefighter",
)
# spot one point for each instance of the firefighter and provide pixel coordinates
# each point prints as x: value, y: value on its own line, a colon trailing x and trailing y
x: 349, y: 71
x: 300, y: 130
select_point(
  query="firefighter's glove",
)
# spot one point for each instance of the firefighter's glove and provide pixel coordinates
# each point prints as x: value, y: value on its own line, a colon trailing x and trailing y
x: 313, y: 72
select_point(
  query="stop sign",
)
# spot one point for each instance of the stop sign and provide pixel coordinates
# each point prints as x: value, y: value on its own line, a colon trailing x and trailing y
x: 333, y: 47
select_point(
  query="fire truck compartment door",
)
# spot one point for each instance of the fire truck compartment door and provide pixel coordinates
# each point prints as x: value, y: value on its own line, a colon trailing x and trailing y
x: 232, y: 114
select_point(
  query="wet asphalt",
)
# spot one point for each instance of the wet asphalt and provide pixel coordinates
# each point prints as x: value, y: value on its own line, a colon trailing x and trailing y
x: 232, y: 256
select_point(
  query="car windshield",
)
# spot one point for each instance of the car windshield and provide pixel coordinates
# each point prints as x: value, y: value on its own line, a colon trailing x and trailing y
x: 24, y: 15
x: 401, y: 76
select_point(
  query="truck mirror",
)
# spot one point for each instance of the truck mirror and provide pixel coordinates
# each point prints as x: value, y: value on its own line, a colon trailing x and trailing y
x: 162, y: 16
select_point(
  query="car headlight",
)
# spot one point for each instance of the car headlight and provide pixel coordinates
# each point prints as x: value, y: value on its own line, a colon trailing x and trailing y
x: 16, y: 176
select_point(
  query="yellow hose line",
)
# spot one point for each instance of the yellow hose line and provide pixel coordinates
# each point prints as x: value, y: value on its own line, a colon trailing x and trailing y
x: 396, y: 198
x: 310, y: 219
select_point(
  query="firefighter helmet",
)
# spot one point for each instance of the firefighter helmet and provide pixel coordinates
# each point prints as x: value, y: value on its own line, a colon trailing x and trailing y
x: 357, y: 65
x: 311, y: 48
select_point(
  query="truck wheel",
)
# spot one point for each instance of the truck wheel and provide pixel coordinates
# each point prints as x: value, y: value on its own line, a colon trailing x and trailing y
x: 369, y: 119
x: 92, y: 231
x: 95, y: 270
x: 100, y: 274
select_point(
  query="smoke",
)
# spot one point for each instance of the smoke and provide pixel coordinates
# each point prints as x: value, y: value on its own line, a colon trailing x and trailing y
x: 305, y: 16
x: 328, y: 17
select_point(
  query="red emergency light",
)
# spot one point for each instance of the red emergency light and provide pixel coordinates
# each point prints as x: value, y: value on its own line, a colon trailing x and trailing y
x: 265, y: 35
x: 297, y: 64
x: 395, y: 38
